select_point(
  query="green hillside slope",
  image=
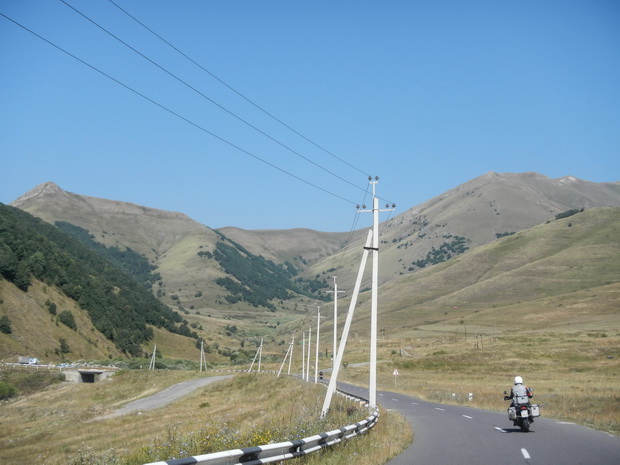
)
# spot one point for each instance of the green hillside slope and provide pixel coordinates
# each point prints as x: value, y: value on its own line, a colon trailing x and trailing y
x: 560, y: 273
x: 118, y: 305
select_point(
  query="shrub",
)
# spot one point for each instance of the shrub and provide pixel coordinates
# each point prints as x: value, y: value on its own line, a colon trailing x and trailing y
x: 67, y: 319
x: 7, y: 390
x: 5, y: 325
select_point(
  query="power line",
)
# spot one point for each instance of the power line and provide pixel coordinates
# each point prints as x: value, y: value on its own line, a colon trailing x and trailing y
x: 163, y: 107
x: 221, y: 81
x: 207, y: 97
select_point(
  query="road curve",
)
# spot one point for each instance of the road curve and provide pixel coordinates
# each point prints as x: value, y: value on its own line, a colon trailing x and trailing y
x: 449, y: 434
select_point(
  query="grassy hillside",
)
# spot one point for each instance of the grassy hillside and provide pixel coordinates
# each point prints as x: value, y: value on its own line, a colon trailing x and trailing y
x: 38, y: 333
x: 543, y: 303
x: 123, y: 310
x: 559, y: 271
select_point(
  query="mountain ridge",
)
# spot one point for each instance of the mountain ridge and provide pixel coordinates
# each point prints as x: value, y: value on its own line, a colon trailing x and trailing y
x: 462, y: 218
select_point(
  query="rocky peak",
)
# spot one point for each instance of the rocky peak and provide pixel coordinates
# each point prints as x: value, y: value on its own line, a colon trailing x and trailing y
x: 45, y: 189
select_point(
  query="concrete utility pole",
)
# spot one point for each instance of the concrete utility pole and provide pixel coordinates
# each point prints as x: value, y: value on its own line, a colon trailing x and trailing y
x: 303, y: 356
x: 152, y: 364
x: 309, y: 346
x: 331, y: 388
x: 289, y: 351
x: 203, y: 360
x: 335, y: 292
x: 318, y: 328
x: 372, y: 392
x: 290, y: 359
x: 259, y: 354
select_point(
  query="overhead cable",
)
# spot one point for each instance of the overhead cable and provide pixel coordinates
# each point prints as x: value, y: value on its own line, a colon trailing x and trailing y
x: 163, y: 107
x: 221, y: 81
x: 209, y: 98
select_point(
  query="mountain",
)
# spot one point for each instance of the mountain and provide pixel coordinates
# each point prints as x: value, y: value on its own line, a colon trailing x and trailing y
x: 470, y: 215
x: 555, y: 276
x: 188, y: 257
x: 218, y: 279
x: 107, y: 301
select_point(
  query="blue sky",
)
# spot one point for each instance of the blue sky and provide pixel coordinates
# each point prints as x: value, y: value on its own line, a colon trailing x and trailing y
x: 424, y: 94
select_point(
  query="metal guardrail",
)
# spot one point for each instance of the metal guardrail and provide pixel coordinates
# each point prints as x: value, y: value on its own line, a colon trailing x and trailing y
x: 283, y: 450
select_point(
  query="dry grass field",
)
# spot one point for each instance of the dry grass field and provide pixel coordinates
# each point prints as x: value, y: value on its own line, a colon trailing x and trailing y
x: 60, y: 424
x: 575, y: 374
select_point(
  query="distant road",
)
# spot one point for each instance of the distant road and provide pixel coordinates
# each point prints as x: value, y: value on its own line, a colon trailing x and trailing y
x: 448, y: 434
x: 165, y: 397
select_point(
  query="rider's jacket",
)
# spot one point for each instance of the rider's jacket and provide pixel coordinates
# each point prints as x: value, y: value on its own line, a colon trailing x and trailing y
x: 520, y: 394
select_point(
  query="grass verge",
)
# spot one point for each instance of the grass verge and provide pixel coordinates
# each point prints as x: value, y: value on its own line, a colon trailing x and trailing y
x: 59, y: 425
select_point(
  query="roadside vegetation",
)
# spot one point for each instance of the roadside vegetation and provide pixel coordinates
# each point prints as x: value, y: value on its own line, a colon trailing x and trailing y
x: 60, y: 425
x: 574, y: 374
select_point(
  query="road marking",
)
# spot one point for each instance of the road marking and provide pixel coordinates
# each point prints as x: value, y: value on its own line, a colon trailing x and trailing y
x: 395, y: 400
x: 564, y: 423
x: 526, y: 456
x: 414, y: 403
x: 442, y: 409
x: 467, y: 416
x: 500, y: 430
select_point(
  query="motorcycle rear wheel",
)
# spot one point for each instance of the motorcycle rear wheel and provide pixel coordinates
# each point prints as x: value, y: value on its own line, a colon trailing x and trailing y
x: 525, y: 425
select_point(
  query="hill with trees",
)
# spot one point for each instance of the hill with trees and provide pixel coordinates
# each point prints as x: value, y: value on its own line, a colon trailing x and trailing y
x: 119, y: 306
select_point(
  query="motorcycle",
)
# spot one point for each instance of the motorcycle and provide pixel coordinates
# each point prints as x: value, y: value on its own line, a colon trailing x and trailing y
x: 522, y: 414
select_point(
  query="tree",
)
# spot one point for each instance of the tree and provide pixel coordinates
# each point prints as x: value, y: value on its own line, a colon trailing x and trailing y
x: 52, y: 308
x: 64, y: 346
x: 66, y: 318
x: 5, y: 325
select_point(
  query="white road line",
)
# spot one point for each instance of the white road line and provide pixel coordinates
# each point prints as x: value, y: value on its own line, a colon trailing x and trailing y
x: 395, y: 400
x: 467, y: 416
x: 442, y: 409
x: 414, y: 403
x: 526, y: 456
x: 564, y: 423
x: 500, y: 430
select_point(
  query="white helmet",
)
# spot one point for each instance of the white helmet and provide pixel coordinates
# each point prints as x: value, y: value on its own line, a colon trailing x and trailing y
x: 518, y: 380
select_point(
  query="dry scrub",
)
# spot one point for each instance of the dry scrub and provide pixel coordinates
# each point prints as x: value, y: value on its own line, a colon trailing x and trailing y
x: 575, y: 376
x: 60, y: 426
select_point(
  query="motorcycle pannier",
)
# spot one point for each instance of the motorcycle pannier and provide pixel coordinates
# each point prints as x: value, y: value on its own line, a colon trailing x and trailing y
x: 535, y: 410
x: 512, y: 413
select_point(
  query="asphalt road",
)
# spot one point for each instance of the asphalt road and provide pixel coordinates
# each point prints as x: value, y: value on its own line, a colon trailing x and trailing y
x: 447, y: 434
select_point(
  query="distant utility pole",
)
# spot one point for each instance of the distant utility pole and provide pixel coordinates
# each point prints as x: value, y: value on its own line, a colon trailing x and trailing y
x: 289, y: 355
x: 203, y: 360
x: 303, y: 356
x: 335, y: 292
x: 152, y: 364
x: 259, y: 354
x: 372, y: 392
x: 309, y: 346
x: 290, y: 358
x: 318, y: 341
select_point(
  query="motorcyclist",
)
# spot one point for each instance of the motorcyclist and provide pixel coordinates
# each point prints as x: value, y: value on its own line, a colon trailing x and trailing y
x: 520, y: 396
x: 520, y: 393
